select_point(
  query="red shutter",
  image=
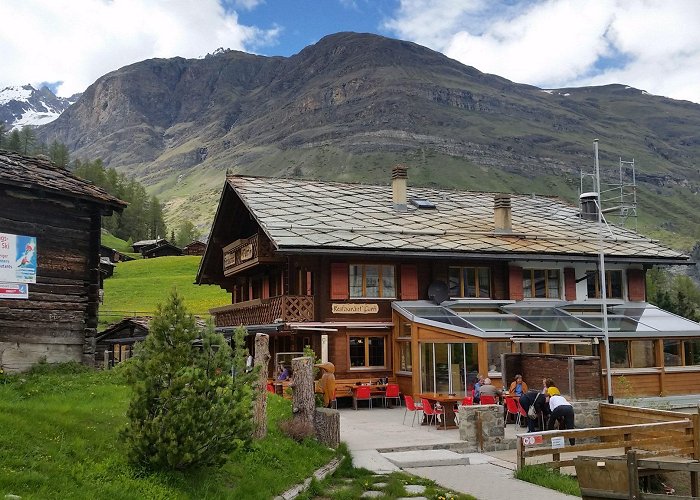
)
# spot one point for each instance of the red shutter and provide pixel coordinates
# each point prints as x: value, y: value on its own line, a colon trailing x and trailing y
x: 636, y: 287
x: 266, y: 287
x: 339, y: 281
x: 569, y: 283
x: 409, y: 282
x: 515, y: 283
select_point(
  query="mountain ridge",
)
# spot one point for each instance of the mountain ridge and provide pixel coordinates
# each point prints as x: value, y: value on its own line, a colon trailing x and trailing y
x: 23, y: 105
x: 351, y: 105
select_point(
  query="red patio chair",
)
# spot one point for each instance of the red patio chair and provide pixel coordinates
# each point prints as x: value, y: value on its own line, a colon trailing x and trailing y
x: 270, y: 388
x: 512, y: 409
x: 392, y: 392
x: 432, y: 412
x: 411, y: 406
x: 485, y: 399
x: 363, y: 393
x: 467, y: 401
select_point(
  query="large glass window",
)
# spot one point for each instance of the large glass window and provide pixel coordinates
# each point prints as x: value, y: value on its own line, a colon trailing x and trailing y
x: 632, y: 354
x: 405, y: 361
x: 619, y: 357
x: 541, y: 284
x: 560, y: 349
x: 470, y: 282
x: 367, y: 352
x: 613, y: 284
x: 672, y: 353
x: 448, y: 368
x: 372, y: 281
x: 494, y: 350
x: 692, y: 352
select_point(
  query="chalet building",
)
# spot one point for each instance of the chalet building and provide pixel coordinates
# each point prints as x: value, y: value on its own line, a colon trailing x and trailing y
x: 138, y: 246
x: 196, y: 247
x: 161, y: 249
x: 432, y: 287
x: 57, y: 318
x: 114, y: 255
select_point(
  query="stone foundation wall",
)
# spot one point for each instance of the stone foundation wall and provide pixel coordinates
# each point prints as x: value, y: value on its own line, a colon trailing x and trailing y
x: 492, y: 430
x: 586, y: 414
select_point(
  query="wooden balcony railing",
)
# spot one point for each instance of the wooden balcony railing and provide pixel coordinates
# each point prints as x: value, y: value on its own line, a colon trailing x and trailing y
x: 248, y: 252
x: 283, y: 308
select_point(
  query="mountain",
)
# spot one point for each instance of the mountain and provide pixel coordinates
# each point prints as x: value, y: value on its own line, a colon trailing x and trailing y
x: 24, y: 105
x: 350, y: 106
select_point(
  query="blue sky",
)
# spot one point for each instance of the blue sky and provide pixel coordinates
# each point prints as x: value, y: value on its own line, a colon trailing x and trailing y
x: 652, y: 45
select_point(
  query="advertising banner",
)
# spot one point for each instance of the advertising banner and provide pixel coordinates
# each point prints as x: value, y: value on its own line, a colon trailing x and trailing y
x: 14, y: 291
x: 17, y: 258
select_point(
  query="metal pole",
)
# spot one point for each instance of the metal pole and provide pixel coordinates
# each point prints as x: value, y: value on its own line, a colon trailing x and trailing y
x: 603, y: 287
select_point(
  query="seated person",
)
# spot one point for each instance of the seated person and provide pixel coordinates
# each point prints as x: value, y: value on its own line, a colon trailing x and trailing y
x: 477, y: 386
x: 561, y: 412
x: 518, y: 387
x: 488, y: 389
x: 282, y: 373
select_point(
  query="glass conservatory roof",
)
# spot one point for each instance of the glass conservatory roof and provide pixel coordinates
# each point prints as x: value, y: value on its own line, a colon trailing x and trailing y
x: 533, y: 319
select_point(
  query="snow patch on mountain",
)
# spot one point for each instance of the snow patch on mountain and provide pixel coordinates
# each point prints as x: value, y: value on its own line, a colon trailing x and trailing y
x: 22, y: 106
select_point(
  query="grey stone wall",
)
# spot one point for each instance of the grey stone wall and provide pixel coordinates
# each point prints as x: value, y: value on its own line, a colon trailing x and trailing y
x: 586, y: 414
x: 492, y: 430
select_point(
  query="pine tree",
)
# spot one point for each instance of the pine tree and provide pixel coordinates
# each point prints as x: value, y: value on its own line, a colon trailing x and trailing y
x: 3, y: 132
x: 14, y: 143
x: 27, y: 140
x: 58, y: 153
x: 187, y: 409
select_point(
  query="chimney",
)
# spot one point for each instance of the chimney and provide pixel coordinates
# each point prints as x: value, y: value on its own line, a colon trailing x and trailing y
x: 589, y: 205
x: 399, y: 176
x: 502, y: 213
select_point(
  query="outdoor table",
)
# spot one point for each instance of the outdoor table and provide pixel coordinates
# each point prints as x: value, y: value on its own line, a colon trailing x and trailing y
x: 376, y: 391
x: 448, y: 403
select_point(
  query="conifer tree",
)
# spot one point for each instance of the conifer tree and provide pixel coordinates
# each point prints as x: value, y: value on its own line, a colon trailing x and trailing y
x: 192, y: 402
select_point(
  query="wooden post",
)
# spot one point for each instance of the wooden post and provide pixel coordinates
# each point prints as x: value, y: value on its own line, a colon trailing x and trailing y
x: 480, y: 431
x: 262, y: 360
x: 633, y: 474
x: 520, y: 463
x: 106, y: 359
x: 303, y: 397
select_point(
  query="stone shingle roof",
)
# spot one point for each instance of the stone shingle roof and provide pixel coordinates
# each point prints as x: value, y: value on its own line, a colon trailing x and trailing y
x: 39, y: 174
x: 301, y: 214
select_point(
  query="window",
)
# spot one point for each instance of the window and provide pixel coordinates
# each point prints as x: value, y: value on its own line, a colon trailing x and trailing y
x: 541, y: 283
x: 682, y: 352
x: 691, y: 349
x: 470, y: 282
x: 367, y: 352
x: 672, y: 353
x: 613, y: 284
x: 585, y: 350
x: 372, y: 281
x: 405, y: 362
x: 632, y: 354
x: 560, y: 349
x: 494, y: 350
x: 448, y: 368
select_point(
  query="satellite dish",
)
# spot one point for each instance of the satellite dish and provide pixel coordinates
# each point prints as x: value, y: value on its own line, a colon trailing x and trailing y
x: 438, y: 291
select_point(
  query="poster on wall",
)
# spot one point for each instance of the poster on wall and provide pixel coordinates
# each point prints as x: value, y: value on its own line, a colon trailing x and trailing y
x: 14, y: 291
x: 17, y: 258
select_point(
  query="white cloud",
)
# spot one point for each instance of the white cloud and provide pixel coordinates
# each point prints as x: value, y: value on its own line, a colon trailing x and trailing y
x: 78, y: 41
x: 557, y: 43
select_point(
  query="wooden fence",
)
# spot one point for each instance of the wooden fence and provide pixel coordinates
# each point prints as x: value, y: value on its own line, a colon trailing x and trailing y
x: 618, y: 477
x: 650, y: 432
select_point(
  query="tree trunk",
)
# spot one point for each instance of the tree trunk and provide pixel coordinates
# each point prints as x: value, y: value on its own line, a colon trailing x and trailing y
x: 303, y: 397
x: 262, y: 360
x: 327, y: 426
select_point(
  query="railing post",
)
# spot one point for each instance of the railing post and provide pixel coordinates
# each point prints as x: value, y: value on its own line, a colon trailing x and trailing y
x: 520, y: 463
x: 633, y: 474
x: 695, y: 419
x: 627, y: 437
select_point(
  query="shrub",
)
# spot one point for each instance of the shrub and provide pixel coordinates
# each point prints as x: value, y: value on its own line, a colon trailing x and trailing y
x: 297, y: 429
x: 187, y: 410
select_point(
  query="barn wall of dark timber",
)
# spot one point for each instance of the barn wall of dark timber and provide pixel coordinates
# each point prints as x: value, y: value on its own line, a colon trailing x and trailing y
x: 58, y: 321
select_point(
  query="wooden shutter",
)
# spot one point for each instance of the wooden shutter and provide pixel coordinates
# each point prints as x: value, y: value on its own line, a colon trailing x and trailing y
x: 339, y: 281
x: 636, y: 287
x: 515, y: 283
x: 569, y: 283
x: 409, y: 282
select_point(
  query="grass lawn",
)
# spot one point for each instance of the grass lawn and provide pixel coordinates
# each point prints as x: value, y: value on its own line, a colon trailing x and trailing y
x: 112, y: 241
x: 549, y: 478
x: 60, y: 439
x: 139, y: 285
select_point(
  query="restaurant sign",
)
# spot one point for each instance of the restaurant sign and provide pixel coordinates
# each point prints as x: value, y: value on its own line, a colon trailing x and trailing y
x: 355, y: 308
x: 532, y: 440
x: 17, y: 258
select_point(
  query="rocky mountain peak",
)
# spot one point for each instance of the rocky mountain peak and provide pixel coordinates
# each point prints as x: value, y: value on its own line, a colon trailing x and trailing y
x: 26, y: 106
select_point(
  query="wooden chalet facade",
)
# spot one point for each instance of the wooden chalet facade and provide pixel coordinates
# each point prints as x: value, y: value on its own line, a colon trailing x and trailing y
x: 431, y: 287
x: 58, y: 320
x: 195, y: 247
x: 161, y: 249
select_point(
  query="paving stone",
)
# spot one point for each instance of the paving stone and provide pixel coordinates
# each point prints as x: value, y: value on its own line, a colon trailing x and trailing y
x: 372, y: 494
x: 425, y: 458
x: 379, y: 485
x: 412, y: 498
x: 415, y: 488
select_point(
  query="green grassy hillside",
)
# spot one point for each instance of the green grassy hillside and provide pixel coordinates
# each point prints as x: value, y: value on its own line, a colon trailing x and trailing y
x: 139, y: 285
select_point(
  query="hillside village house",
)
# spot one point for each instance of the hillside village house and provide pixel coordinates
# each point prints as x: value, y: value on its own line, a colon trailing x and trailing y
x: 432, y: 286
x: 53, y: 315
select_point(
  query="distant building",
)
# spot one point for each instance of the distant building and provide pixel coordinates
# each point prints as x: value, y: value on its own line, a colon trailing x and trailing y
x: 114, y: 255
x: 161, y: 249
x: 138, y: 246
x: 56, y: 320
x: 195, y: 248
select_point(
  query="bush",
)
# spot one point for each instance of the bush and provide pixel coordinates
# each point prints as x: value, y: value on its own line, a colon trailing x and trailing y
x: 187, y: 410
x: 297, y: 429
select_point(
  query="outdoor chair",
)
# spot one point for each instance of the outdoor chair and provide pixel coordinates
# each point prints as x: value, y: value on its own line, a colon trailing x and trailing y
x: 429, y: 411
x: 512, y: 405
x: 392, y: 392
x: 411, y: 406
x: 363, y: 393
x: 485, y: 399
x: 270, y: 388
x: 467, y: 401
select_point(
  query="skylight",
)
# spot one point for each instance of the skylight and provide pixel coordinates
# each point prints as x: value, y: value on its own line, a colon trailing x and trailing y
x: 422, y: 203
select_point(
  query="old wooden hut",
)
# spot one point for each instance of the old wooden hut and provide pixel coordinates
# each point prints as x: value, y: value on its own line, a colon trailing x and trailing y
x: 60, y: 214
x: 161, y: 249
x: 196, y: 247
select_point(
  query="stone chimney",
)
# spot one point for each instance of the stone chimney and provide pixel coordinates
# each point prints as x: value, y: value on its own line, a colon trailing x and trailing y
x: 589, y: 205
x: 399, y: 177
x: 502, y: 213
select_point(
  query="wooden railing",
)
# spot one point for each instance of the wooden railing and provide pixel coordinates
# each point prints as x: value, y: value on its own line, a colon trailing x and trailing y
x: 282, y: 308
x: 247, y: 252
x: 677, y: 438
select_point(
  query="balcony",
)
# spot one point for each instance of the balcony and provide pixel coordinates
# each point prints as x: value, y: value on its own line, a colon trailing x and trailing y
x: 248, y: 252
x: 266, y: 311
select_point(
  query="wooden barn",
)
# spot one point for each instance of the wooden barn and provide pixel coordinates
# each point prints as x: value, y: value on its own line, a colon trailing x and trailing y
x: 196, y: 247
x: 161, y: 249
x: 56, y: 219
